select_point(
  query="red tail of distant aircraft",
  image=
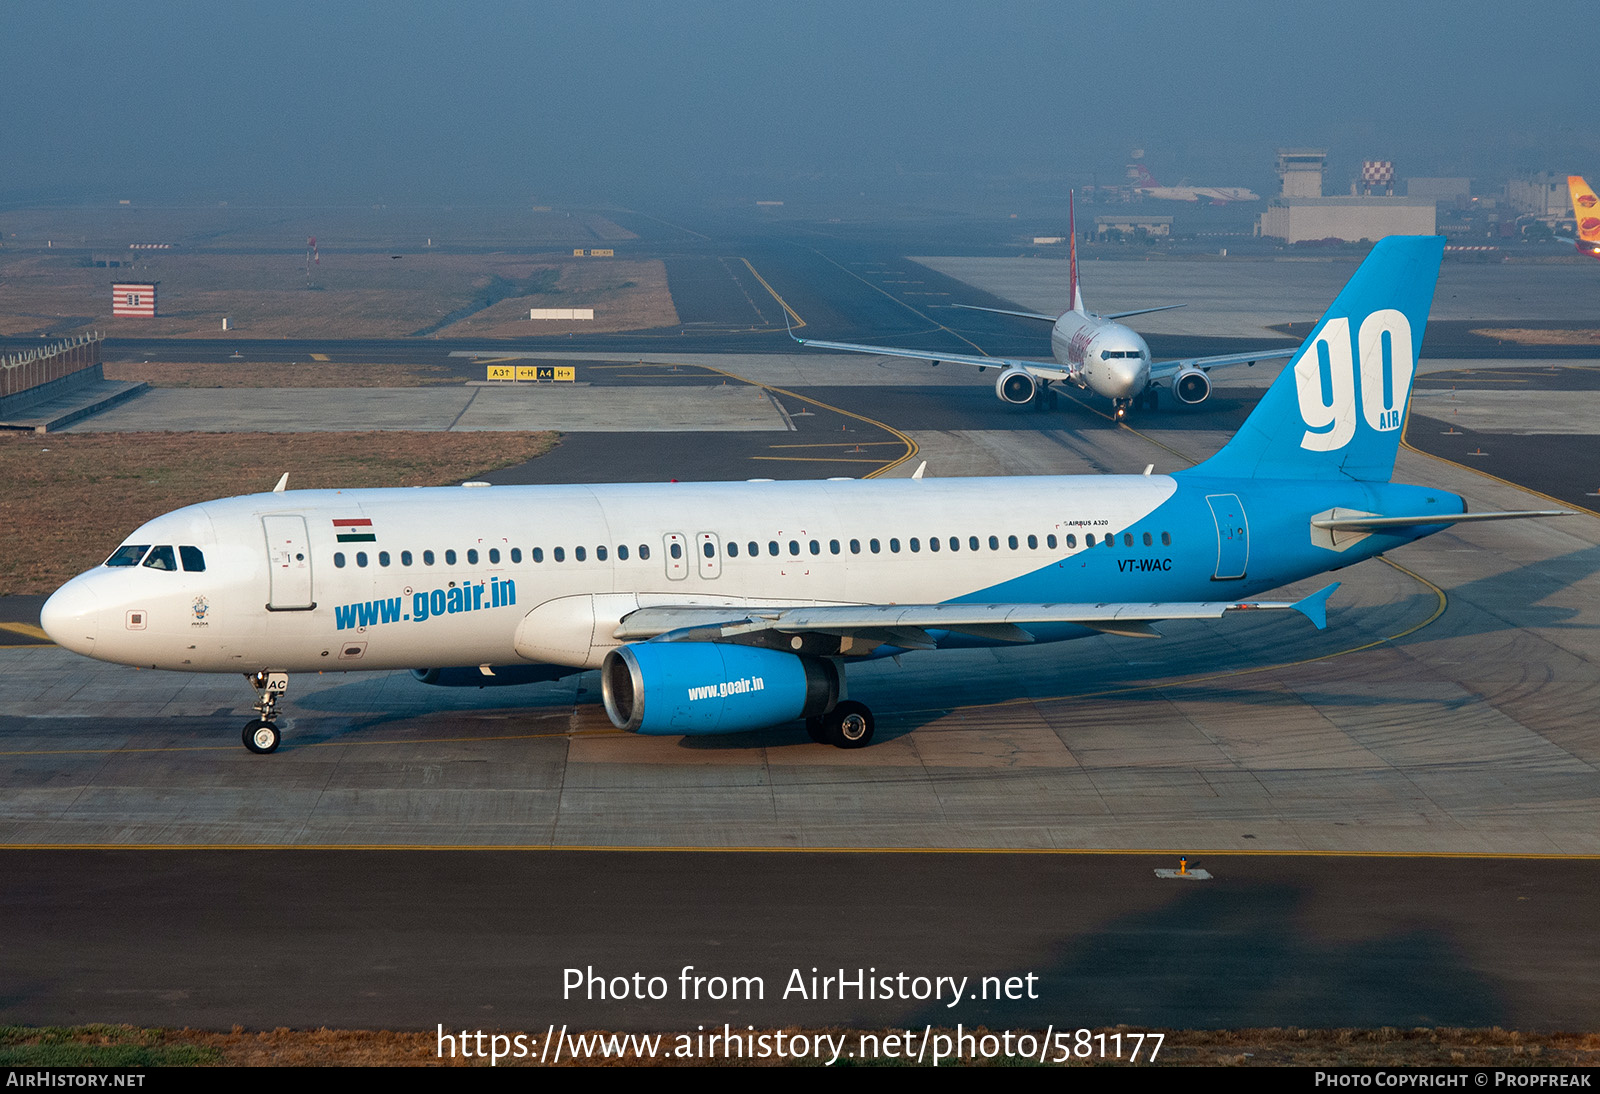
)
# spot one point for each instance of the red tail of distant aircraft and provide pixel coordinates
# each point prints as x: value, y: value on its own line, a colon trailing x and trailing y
x: 1586, y: 211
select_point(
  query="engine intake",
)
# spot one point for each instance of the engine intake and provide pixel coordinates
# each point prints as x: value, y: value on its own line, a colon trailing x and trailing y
x: 693, y: 688
x: 1191, y: 386
x: 1016, y: 386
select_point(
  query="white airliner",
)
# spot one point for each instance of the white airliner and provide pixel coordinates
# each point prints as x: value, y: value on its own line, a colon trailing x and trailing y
x: 1145, y: 183
x: 1093, y: 352
x: 726, y: 607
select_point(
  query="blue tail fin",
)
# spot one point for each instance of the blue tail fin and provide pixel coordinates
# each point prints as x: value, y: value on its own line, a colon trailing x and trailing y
x: 1336, y: 410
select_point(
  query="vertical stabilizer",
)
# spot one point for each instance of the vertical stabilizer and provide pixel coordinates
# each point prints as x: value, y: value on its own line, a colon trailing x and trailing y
x: 1336, y: 410
x: 1072, y: 251
x: 1585, y: 209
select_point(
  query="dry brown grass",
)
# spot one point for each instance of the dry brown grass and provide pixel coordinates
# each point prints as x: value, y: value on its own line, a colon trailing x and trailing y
x: 1527, y: 337
x: 346, y: 296
x: 1238, y: 1048
x: 69, y: 498
x: 300, y: 374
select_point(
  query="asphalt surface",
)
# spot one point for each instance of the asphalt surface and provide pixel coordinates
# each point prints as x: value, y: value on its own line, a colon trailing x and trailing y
x: 213, y: 934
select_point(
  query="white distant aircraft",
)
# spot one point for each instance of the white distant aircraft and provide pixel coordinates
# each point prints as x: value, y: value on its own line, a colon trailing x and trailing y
x: 1093, y: 352
x: 1145, y: 183
x: 729, y: 607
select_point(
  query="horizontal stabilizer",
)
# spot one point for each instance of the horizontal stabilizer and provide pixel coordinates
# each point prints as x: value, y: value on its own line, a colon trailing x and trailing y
x: 1005, y: 311
x: 1374, y: 524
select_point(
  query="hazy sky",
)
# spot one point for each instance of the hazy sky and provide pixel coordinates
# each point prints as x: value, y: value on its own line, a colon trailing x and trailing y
x: 596, y: 100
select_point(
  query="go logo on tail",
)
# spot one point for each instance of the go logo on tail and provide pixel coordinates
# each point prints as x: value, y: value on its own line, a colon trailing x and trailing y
x: 1326, y: 381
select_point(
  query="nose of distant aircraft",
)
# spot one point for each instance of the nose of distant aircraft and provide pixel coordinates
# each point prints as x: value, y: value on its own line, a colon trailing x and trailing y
x: 1130, y: 375
x: 71, y: 616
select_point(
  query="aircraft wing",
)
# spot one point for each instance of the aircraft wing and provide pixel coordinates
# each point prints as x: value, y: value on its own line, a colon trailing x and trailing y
x: 1047, y: 370
x: 1160, y: 370
x: 908, y: 625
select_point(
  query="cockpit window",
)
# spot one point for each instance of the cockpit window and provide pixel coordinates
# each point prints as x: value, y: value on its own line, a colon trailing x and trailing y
x: 128, y: 554
x: 161, y: 558
x: 194, y: 560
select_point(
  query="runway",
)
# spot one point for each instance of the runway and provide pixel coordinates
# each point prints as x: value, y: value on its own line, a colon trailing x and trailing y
x: 1398, y: 811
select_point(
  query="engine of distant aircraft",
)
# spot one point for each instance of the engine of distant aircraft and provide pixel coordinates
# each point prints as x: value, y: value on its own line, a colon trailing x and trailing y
x: 1191, y: 386
x: 1016, y: 386
x: 698, y: 688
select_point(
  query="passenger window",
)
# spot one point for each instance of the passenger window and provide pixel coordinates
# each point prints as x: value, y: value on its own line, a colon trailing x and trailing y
x: 994, y: 543
x: 916, y: 545
x: 1033, y: 543
x: 361, y: 558
x: 516, y: 554
x: 622, y: 551
x: 494, y: 555
x: 128, y: 554
x: 816, y: 548
x: 894, y: 546
x: 1088, y: 540
x: 600, y: 552
x: 1127, y: 539
x: 1166, y: 539
x: 733, y: 548
x: 710, y: 551
x: 1111, y: 540
x: 833, y: 546
x: 579, y: 554
x: 1012, y: 542
x: 855, y: 546
x: 933, y: 543
x: 537, y: 554
x: 772, y: 547
x: 644, y: 551
x: 405, y: 558
x: 383, y: 558
x: 427, y: 558
x: 338, y: 560
x: 955, y: 543
x: 794, y: 547
x: 1050, y: 542
x: 1072, y: 541
x: 193, y: 560
x: 559, y: 554
x: 1147, y: 540
x: 872, y: 545
x: 472, y: 556
x: 675, y: 550
x: 450, y: 557
x: 161, y: 558
x: 755, y: 549
x: 972, y: 543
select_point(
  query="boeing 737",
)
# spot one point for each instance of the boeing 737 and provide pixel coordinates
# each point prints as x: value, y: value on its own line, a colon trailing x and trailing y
x: 1093, y: 352
x: 1586, y: 212
x: 727, y: 607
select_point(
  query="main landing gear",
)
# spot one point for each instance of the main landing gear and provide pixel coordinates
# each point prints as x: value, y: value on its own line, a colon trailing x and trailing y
x: 848, y: 725
x: 261, y: 735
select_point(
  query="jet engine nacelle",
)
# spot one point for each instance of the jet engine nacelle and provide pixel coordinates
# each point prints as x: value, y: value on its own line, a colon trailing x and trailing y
x: 472, y: 676
x: 1191, y: 386
x: 712, y: 687
x: 1016, y: 386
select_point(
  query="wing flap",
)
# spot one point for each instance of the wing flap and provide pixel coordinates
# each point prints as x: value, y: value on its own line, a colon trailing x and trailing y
x: 1038, y: 368
x: 1160, y: 370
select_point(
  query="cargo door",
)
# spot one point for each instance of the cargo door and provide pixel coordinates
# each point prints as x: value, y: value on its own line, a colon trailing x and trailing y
x: 288, y: 564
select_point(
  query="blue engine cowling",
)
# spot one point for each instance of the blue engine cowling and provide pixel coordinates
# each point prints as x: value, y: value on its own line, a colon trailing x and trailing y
x: 712, y: 687
x: 504, y: 675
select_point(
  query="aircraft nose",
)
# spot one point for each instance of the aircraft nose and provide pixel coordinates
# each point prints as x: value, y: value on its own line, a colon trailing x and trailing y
x: 71, y: 617
x: 1130, y: 375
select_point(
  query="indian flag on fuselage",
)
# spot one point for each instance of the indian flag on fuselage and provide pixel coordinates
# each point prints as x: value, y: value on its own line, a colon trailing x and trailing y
x: 354, y: 530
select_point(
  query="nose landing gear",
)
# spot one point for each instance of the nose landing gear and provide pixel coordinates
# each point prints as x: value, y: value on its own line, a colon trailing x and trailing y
x: 261, y: 735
